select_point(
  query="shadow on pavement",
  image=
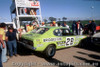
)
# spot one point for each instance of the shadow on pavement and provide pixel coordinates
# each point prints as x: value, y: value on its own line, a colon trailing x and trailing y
x: 91, y: 55
x: 26, y: 52
x: 23, y: 51
x: 88, y: 45
x: 89, y: 62
x: 58, y: 63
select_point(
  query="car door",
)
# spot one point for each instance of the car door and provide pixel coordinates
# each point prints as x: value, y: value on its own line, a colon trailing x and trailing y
x: 67, y: 38
x: 71, y: 40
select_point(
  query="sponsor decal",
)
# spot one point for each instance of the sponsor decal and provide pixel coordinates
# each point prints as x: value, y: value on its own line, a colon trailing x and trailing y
x: 62, y: 43
x: 69, y: 41
x: 39, y: 45
x: 52, y: 39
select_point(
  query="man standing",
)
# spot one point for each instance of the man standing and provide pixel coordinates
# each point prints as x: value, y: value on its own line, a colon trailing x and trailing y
x: 79, y: 28
x: 54, y: 24
x: 1, y: 43
x: 59, y: 25
x: 3, y: 47
x: 65, y: 25
x: 89, y: 27
x: 43, y: 24
x: 92, y: 27
x: 11, y: 41
x: 74, y: 27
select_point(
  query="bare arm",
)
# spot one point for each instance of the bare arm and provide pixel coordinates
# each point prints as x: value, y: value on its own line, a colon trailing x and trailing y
x: 6, y: 38
x: 1, y: 41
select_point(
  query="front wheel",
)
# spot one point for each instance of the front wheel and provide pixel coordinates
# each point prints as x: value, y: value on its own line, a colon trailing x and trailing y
x: 50, y: 51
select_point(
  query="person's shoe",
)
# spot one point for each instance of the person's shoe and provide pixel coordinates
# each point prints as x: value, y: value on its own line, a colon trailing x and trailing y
x: 16, y: 55
x: 11, y: 56
x: 6, y: 61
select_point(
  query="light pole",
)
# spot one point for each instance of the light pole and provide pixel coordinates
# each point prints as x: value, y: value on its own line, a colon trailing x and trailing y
x: 92, y: 16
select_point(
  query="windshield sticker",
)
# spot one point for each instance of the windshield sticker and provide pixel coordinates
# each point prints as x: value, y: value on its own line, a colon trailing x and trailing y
x: 52, y: 39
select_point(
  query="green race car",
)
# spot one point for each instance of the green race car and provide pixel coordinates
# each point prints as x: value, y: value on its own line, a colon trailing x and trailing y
x: 48, y: 39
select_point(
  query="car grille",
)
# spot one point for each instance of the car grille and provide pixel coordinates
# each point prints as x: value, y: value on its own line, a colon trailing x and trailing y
x: 27, y: 41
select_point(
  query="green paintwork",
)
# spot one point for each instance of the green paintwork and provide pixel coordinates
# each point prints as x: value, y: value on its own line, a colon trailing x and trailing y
x: 40, y: 45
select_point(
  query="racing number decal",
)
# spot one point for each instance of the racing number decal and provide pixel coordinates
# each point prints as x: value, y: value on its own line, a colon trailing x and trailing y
x: 69, y: 41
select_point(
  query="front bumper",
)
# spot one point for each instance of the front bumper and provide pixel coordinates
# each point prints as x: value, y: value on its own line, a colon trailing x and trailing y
x: 27, y: 45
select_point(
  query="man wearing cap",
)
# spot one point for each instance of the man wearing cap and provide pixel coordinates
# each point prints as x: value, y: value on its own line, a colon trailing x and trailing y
x: 43, y: 24
x: 54, y: 23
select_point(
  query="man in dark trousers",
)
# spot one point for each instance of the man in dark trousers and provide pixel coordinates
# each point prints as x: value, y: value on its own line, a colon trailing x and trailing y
x: 11, y: 41
x: 79, y: 28
x: 74, y: 27
x: 92, y: 27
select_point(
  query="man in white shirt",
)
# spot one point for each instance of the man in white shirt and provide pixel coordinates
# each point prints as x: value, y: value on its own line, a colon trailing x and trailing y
x: 65, y: 25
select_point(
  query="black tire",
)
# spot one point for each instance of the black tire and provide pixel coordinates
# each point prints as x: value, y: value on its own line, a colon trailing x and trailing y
x: 83, y: 43
x: 50, y: 51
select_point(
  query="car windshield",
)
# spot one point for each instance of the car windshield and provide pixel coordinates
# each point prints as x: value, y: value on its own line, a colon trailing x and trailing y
x: 40, y: 30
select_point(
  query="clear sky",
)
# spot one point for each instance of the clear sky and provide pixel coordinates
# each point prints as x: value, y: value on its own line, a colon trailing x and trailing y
x: 72, y: 9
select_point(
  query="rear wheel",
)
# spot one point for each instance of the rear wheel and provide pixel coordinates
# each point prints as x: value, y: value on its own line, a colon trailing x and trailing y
x: 50, y: 51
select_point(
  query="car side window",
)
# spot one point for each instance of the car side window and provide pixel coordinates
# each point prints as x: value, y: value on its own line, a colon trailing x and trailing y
x: 57, y: 32
x: 65, y: 32
x: 43, y: 30
x: 62, y: 32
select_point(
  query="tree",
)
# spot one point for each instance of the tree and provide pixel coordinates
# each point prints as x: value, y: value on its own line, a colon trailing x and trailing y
x: 64, y: 18
x: 59, y: 19
x: 52, y: 19
x: 45, y: 20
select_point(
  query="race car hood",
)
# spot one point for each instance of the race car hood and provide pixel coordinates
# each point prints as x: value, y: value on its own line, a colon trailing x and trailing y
x: 30, y: 36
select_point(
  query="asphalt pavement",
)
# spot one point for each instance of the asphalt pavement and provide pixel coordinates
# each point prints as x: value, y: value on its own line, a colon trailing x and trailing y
x: 69, y: 57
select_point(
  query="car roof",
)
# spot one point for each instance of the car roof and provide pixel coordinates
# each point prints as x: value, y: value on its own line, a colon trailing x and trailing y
x: 53, y: 27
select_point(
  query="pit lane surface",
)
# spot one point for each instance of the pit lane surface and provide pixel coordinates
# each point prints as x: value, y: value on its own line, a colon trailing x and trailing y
x: 69, y: 57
